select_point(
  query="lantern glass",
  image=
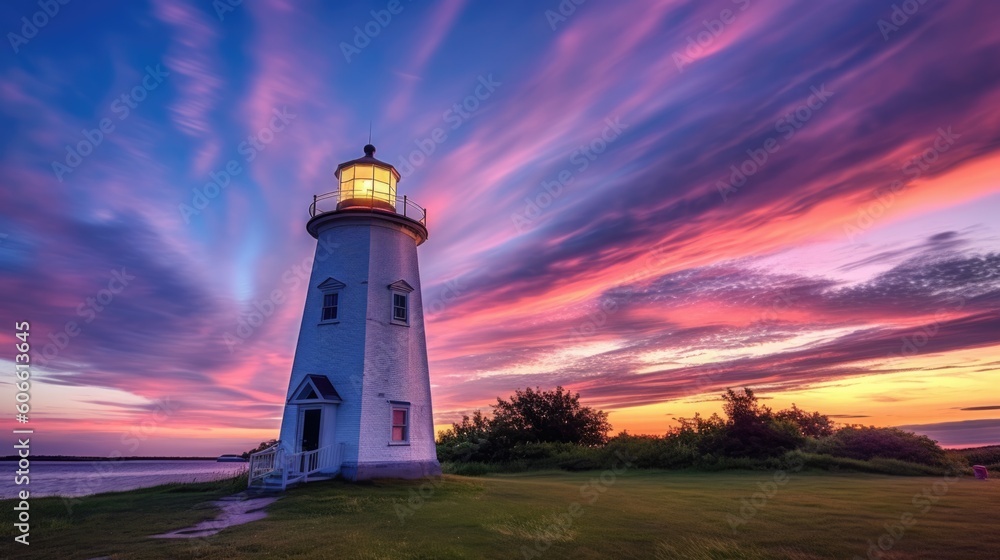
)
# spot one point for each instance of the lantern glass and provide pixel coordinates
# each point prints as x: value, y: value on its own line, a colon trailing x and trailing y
x: 365, y: 184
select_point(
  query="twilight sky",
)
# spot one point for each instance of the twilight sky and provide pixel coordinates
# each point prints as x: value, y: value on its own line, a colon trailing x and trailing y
x: 645, y: 201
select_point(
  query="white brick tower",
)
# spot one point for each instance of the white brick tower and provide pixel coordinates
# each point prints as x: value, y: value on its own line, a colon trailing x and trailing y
x: 360, y: 388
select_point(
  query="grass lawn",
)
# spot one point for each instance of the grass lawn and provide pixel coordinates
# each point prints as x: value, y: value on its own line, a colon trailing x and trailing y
x: 638, y: 514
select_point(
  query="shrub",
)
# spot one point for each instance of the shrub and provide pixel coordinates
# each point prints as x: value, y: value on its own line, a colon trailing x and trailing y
x: 263, y: 445
x: 470, y: 440
x: 465, y: 451
x: 877, y: 465
x: 866, y: 443
x: 537, y: 430
x: 470, y: 469
x: 644, y: 452
x: 530, y: 418
x: 547, y: 416
x: 814, y: 425
x: 750, y: 430
x: 987, y: 456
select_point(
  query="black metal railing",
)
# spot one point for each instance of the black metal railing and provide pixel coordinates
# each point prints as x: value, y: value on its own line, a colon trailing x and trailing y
x: 381, y: 202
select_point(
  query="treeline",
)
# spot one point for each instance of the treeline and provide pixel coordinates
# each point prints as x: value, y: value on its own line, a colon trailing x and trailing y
x: 263, y: 445
x: 538, y: 429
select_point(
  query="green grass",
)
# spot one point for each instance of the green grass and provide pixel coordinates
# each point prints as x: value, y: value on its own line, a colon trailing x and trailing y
x: 639, y: 514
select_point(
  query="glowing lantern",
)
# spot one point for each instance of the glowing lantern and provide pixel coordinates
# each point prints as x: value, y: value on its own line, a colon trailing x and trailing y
x: 367, y: 182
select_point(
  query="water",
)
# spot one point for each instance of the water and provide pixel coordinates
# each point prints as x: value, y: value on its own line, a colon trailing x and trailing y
x: 71, y: 479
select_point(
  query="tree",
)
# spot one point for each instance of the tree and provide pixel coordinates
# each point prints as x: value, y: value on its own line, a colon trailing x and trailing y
x: 469, y: 429
x: 868, y: 442
x: 533, y: 415
x: 814, y: 425
x: 743, y: 410
x: 750, y: 429
x: 263, y: 445
x: 468, y: 440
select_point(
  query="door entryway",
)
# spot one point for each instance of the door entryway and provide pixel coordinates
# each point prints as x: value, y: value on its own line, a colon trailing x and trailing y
x: 311, y: 423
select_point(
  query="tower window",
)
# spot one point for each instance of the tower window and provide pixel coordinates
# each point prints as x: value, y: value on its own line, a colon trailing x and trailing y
x: 400, y: 291
x: 400, y: 424
x: 330, y: 306
x: 330, y: 288
x: 400, y: 311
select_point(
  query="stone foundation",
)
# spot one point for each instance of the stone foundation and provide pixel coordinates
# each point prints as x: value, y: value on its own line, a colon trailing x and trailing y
x: 407, y: 470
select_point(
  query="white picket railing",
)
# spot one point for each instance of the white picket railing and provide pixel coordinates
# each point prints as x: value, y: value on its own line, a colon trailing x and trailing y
x: 295, y: 467
x: 263, y: 463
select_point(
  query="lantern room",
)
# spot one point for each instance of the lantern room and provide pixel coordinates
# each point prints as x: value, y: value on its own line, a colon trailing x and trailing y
x: 367, y: 182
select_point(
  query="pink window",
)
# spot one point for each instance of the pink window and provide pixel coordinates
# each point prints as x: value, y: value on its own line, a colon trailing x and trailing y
x: 400, y: 425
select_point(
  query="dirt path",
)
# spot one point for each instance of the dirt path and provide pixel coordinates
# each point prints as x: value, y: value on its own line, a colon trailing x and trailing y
x: 236, y: 510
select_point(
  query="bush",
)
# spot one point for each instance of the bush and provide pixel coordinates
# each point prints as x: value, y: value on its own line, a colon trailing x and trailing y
x: 644, y: 452
x: 814, y: 425
x: 988, y: 456
x: 750, y: 430
x: 471, y: 469
x: 466, y: 451
x: 538, y: 430
x: 263, y: 445
x: 522, y: 427
x: 877, y: 466
x: 867, y: 443
x: 547, y: 416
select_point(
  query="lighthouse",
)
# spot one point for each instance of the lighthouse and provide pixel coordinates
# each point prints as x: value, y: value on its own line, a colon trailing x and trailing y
x: 359, y: 397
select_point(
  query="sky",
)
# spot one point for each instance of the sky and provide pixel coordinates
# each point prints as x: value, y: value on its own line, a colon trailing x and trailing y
x: 643, y: 201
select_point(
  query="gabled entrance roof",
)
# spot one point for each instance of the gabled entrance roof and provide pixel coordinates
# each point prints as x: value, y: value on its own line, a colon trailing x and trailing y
x: 315, y: 389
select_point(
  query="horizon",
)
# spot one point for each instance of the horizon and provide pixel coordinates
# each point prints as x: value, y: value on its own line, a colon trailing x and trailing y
x: 791, y: 197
